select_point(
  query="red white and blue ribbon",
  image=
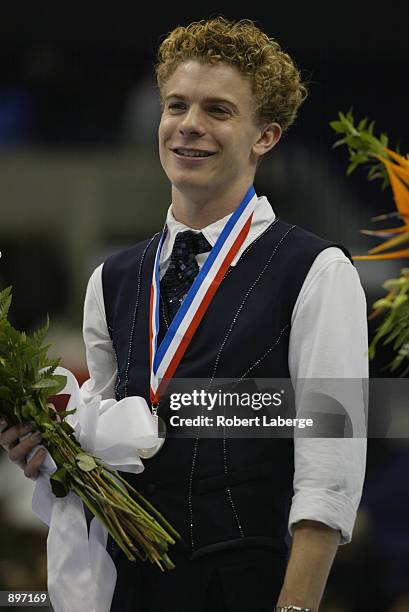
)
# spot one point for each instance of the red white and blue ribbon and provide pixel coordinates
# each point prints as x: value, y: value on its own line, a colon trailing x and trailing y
x: 165, y: 359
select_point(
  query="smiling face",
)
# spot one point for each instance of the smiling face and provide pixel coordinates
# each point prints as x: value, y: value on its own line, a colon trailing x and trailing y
x: 209, y: 139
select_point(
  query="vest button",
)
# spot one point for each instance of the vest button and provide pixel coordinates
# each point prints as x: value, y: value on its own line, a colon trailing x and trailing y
x: 150, y: 488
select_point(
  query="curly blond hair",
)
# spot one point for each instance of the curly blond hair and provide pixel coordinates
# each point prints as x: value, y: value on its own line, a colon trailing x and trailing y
x: 276, y: 82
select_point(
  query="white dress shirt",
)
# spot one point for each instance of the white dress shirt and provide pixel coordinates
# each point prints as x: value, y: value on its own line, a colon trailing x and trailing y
x: 328, y: 339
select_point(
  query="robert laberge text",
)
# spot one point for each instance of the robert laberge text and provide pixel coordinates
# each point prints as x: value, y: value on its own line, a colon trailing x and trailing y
x: 235, y: 421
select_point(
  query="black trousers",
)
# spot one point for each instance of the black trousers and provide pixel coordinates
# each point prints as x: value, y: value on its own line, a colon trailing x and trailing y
x: 235, y: 580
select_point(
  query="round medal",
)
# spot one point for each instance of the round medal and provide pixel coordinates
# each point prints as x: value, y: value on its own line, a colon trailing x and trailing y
x: 148, y: 453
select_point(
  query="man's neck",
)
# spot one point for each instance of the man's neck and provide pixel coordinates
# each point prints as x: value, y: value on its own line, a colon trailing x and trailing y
x: 200, y: 211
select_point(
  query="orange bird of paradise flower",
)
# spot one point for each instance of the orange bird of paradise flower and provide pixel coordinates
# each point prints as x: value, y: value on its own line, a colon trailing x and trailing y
x: 397, y: 168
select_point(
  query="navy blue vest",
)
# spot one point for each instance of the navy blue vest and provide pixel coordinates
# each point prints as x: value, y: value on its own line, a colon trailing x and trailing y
x: 218, y: 493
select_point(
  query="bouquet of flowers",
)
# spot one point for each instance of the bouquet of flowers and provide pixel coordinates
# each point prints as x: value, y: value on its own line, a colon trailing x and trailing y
x: 27, y: 380
x: 364, y: 148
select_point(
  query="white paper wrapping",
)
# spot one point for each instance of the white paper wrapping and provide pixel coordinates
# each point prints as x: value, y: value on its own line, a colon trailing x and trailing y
x: 81, y: 574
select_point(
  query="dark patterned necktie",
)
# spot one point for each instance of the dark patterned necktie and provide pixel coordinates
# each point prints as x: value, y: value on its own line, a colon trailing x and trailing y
x: 182, y: 269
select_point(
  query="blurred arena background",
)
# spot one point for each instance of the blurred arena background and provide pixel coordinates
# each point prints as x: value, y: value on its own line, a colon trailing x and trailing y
x: 80, y: 178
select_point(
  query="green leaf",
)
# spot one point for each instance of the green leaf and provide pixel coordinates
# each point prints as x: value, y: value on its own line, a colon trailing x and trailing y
x: 6, y: 394
x: 55, y: 384
x: 340, y: 142
x: 402, y: 339
x: 337, y: 126
x: 85, y: 462
x: 59, y: 475
x: 351, y: 168
x: 5, y: 302
x: 45, y: 383
x: 59, y: 482
x: 59, y: 489
x: 58, y: 458
x: 61, y: 382
x: 39, y: 335
x: 69, y: 467
x: 399, y: 301
x: 65, y: 413
x: 28, y: 410
x: 394, y: 334
x: 384, y: 140
x: 393, y: 284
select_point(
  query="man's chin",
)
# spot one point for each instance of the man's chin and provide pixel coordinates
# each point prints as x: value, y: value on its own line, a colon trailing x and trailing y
x: 192, y: 184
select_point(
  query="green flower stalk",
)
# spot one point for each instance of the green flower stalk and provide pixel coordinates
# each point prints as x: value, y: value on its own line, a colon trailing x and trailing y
x: 27, y: 379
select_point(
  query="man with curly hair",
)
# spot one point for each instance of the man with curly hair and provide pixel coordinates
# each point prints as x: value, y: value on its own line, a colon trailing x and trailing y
x: 280, y: 303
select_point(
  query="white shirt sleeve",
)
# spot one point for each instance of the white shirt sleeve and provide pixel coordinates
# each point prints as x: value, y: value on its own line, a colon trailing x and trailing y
x: 329, y: 339
x: 101, y: 360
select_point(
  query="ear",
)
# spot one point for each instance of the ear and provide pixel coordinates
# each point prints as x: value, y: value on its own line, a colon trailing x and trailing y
x: 270, y: 135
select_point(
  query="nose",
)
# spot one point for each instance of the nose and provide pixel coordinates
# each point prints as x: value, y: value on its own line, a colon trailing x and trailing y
x: 192, y: 122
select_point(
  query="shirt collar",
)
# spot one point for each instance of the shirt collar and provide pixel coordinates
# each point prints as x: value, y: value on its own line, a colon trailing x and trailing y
x: 263, y: 216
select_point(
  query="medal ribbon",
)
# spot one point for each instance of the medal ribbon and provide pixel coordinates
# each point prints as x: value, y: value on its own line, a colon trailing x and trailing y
x: 165, y: 359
